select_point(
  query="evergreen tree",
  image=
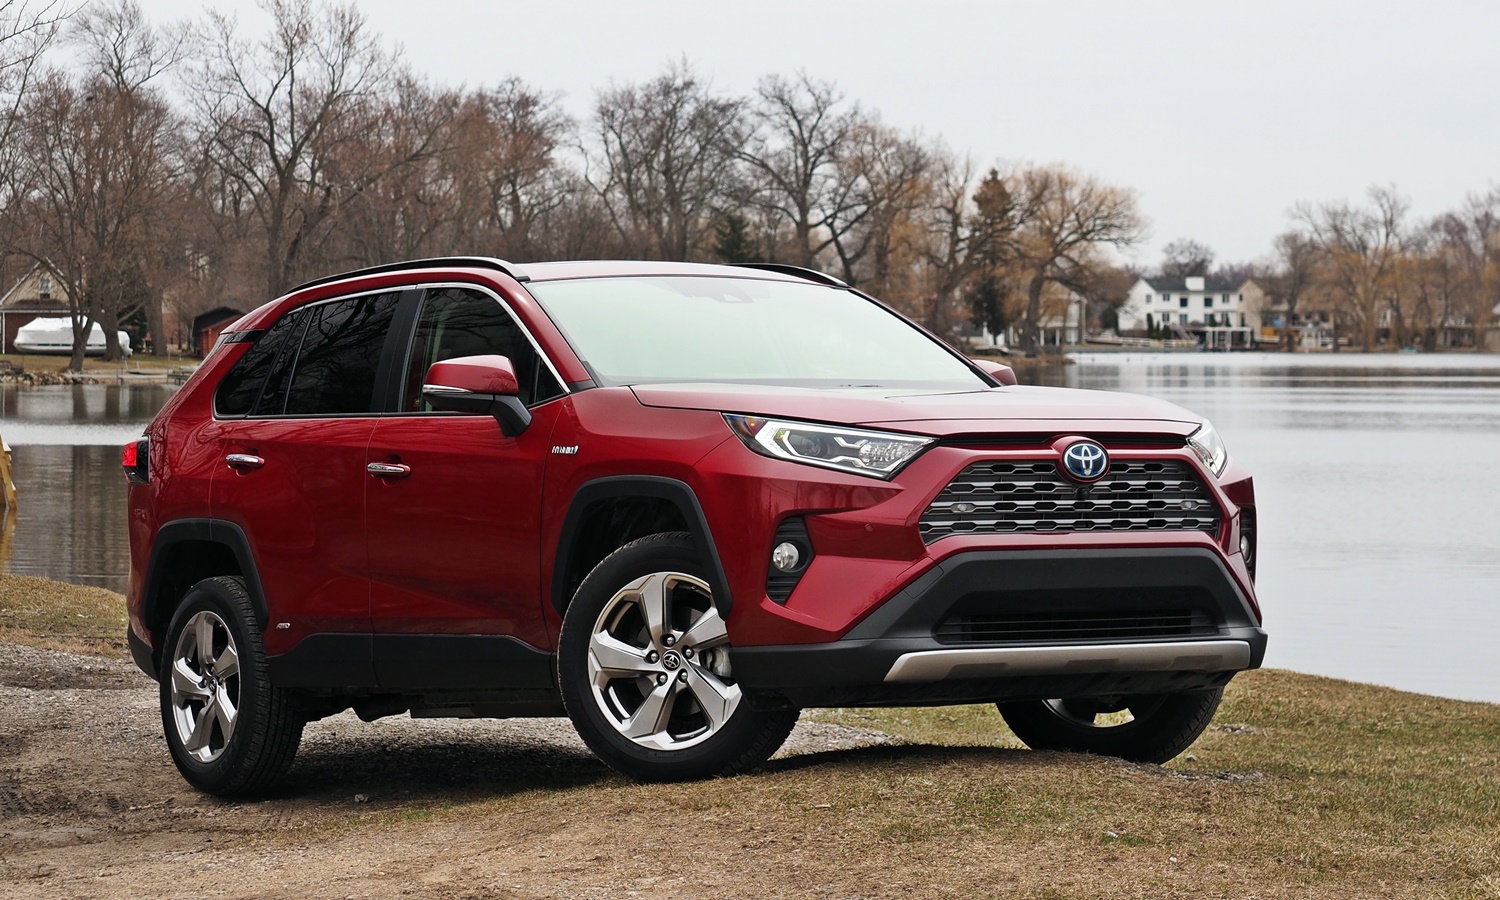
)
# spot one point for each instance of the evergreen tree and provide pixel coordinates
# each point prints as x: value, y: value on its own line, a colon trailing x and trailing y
x: 987, y: 304
x: 732, y: 240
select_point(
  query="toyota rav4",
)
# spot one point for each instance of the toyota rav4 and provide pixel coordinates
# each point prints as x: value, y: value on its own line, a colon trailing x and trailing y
x: 677, y: 503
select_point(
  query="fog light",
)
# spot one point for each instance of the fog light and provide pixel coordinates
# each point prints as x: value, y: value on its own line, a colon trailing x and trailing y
x: 786, y: 556
x: 1245, y: 548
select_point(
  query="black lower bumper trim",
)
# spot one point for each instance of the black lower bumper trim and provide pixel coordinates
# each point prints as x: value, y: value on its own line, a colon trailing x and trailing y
x: 862, y: 668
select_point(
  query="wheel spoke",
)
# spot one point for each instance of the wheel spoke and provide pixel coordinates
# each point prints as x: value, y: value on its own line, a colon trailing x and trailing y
x: 228, y: 663
x: 717, y: 699
x: 226, y: 715
x: 185, y: 681
x: 654, y: 605
x: 202, y: 728
x: 614, y: 658
x: 654, y: 712
x: 203, y: 635
x: 708, y: 631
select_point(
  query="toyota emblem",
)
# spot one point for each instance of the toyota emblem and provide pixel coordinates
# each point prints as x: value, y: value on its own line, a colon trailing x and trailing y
x: 1085, y: 461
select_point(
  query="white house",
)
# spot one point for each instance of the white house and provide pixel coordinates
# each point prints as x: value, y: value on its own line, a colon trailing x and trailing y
x: 1222, y: 313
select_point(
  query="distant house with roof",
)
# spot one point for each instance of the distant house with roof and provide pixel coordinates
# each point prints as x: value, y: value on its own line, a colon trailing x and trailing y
x: 1222, y: 314
x: 209, y: 325
x: 40, y: 292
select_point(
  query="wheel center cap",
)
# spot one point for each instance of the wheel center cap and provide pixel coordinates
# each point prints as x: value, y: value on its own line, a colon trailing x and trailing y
x: 671, y: 659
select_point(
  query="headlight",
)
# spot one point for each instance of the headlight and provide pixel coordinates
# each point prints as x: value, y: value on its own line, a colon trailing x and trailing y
x: 1209, y: 447
x: 875, y: 453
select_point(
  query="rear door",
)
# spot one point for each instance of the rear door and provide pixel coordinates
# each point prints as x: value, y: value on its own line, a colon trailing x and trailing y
x: 455, y: 536
x: 296, y: 416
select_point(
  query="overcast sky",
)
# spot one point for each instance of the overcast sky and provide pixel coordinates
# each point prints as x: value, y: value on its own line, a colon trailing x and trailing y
x: 1222, y: 116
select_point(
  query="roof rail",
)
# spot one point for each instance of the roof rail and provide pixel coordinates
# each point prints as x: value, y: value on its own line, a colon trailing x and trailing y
x: 476, y: 262
x: 795, y: 271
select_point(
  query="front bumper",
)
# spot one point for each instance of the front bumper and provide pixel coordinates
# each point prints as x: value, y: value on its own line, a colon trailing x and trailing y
x: 909, y: 650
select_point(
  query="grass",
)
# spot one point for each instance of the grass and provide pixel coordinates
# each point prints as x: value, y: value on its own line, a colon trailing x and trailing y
x: 1303, y: 787
x: 37, y: 612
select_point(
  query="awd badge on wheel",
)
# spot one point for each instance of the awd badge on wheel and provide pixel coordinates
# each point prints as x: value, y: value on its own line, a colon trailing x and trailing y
x: 1085, y: 461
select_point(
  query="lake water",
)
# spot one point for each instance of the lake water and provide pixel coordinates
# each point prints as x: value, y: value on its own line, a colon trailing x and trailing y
x: 1376, y: 478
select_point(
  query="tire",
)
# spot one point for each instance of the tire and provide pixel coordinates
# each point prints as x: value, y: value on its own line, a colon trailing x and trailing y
x: 1162, y: 725
x: 230, y: 731
x: 644, y: 671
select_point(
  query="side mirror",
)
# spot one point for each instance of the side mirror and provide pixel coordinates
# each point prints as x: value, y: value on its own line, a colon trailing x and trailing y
x: 998, y: 371
x: 478, y: 384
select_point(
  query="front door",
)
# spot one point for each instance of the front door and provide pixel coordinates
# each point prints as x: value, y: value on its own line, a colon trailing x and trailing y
x: 454, y: 521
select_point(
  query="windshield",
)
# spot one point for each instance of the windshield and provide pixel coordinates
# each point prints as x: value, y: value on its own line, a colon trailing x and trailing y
x: 695, y: 329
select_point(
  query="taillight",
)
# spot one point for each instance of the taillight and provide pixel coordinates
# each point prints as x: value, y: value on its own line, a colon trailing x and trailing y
x: 136, y: 458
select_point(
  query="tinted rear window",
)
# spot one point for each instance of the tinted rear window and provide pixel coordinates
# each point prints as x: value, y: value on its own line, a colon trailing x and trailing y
x: 242, y: 387
x: 336, y: 365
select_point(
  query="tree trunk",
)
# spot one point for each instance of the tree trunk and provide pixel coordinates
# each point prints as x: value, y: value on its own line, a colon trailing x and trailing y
x: 111, y: 322
x: 1029, y: 326
x: 80, y: 342
x: 156, y: 324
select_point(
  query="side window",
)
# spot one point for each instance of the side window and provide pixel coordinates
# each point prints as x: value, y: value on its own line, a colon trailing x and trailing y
x: 242, y: 386
x: 273, y: 398
x: 458, y: 322
x: 335, y: 368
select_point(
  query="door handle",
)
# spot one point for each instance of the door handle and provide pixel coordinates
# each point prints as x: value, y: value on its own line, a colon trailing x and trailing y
x: 244, y: 461
x: 388, y: 470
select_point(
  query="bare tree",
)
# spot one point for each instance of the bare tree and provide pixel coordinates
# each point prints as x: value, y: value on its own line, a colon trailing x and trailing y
x: 117, y: 44
x: 663, y: 161
x: 1472, y: 236
x: 288, y: 121
x: 1184, y: 257
x: 800, y: 133
x: 27, y: 29
x: 99, y: 165
x: 970, y: 234
x: 1069, y: 218
x: 891, y: 174
x: 1294, y: 275
x: 514, y: 137
x: 1361, y: 248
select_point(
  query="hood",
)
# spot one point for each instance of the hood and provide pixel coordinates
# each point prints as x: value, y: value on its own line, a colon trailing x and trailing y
x: 1018, y: 408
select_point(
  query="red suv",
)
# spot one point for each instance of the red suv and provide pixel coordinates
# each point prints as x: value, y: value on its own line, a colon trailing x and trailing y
x: 677, y: 503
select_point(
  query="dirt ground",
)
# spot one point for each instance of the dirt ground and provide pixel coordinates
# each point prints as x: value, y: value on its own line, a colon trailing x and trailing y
x: 1303, y: 787
x: 90, y: 804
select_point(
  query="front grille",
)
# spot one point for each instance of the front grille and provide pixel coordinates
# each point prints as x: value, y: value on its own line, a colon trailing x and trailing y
x: 1074, y: 626
x: 1032, y: 496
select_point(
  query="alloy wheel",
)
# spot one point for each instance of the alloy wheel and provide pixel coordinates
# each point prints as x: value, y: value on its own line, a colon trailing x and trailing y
x: 205, y: 690
x: 658, y: 663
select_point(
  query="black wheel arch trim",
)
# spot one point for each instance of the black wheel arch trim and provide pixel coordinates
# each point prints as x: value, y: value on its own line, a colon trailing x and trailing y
x: 214, y: 531
x: 676, y: 492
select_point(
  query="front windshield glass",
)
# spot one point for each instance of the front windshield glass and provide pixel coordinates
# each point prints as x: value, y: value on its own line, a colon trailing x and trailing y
x: 696, y: 329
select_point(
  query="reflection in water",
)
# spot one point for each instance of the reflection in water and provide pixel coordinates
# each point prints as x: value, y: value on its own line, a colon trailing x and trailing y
x: 70, y: 504
x: 70, y: 515
x: 78, y: 413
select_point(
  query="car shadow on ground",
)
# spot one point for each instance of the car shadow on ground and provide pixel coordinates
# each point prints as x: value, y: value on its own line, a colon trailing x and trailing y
x: 478, y: 767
